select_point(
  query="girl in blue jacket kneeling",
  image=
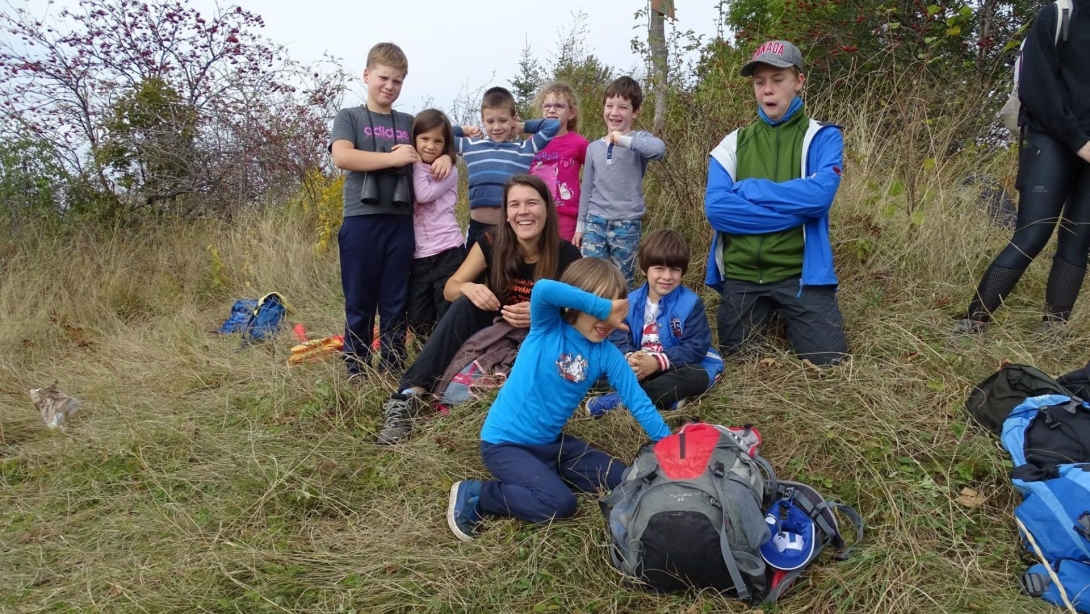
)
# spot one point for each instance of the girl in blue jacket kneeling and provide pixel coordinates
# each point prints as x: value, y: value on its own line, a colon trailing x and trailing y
x: 522, y: 443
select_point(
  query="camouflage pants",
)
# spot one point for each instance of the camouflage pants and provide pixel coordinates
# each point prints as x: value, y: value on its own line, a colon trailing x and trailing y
x: 614, y: 240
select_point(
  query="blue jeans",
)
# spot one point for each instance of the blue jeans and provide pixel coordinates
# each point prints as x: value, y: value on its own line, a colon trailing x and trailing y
x: 532, y: 480
x: 613, y: 240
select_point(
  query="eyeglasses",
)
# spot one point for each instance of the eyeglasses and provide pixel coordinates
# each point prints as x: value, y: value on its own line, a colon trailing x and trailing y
x: 549, y: 106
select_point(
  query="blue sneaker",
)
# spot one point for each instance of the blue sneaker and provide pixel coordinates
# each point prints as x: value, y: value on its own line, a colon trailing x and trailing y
x: 463, y: 513
x: 598, y: 406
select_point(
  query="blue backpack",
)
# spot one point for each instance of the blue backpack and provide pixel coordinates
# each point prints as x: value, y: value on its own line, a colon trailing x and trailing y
x: 257, y: 320
x: 1048, y: 438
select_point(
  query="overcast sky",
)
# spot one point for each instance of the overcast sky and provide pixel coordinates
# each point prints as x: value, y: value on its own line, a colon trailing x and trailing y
x: 450, y: 45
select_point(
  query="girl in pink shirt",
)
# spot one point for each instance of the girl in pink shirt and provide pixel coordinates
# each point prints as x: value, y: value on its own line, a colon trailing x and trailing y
x: 558, y: 165
x: 440, y: 244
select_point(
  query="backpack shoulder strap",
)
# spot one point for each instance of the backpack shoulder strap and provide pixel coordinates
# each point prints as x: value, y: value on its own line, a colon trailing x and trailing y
x: 724, y: 545
x: 1063, y: 20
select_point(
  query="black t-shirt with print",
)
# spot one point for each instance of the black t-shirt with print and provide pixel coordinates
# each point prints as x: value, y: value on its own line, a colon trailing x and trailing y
x: 524, y: 283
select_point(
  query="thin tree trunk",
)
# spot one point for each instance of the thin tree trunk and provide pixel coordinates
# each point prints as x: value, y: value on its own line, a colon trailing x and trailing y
x: 657, y: 40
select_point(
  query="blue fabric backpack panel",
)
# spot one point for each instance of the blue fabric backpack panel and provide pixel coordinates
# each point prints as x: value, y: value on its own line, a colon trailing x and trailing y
x: 1074, y: 583
x: 1057, y: 512
x: 241, y: 312
x: 267, y: 316
x: 1048, y: 438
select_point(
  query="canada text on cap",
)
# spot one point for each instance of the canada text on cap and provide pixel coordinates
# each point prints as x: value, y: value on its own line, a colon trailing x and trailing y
x: 780, y: 54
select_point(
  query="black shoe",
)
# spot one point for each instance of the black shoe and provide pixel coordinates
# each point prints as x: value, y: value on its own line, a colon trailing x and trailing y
x: 401, y: 411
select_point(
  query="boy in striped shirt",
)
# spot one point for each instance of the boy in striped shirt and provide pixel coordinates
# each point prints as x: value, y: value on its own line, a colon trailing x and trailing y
x: 492, y: 156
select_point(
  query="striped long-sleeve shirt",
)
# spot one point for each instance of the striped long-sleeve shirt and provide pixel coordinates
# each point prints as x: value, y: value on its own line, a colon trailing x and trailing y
x: 491, y: 164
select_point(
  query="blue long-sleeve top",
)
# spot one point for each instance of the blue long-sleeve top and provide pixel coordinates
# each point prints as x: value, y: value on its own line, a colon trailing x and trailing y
x: 555, y: 367
x: 491, y: 164
x: 758, y: 206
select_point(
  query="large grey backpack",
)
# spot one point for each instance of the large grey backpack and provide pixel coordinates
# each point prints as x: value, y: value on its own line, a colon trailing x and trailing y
x: 689, y: 513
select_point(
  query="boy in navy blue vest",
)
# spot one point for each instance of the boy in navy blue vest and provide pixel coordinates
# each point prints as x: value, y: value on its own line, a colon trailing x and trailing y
x: 669, y: 343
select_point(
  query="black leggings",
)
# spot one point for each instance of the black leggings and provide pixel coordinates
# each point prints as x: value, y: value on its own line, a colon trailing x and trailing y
x: 1049, y: 174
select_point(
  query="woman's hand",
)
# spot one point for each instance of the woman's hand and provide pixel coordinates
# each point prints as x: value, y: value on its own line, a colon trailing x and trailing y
x: 481, y: 296
x: 517, y: 315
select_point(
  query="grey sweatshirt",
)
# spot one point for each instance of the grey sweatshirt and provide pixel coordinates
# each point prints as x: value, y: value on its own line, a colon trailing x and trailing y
x: 612, y: 187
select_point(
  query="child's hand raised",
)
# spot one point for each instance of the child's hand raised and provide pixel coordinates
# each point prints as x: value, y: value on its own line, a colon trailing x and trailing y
x: 472, y: 131
x: 618, y: 313
x: 440, y: 167
x: 613, y: 137
x: 404, y: 154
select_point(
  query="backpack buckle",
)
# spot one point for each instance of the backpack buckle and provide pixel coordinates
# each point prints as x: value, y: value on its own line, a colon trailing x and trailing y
x: 1082, y: 525
x: 788, y: 493
x: 719, y: 470
x: 1032, y: 584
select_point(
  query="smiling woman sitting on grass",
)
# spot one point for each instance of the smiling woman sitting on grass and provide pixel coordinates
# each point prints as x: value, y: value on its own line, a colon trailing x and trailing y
x: 525, y: 249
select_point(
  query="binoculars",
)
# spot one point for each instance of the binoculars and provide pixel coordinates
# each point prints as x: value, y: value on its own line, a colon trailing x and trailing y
x: 399, y: 177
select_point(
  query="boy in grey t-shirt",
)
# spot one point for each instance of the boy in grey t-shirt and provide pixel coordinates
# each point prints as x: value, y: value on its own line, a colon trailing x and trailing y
x: 376, y: 239
x: 611, y: 200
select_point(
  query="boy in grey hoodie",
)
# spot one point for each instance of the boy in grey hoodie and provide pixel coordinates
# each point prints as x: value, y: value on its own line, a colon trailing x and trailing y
x: 611, y: 200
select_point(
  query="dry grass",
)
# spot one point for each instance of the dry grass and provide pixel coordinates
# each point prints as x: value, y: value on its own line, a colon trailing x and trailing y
x: 202, y: 478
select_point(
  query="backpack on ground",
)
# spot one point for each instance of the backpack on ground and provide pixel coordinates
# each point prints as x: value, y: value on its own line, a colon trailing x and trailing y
x: 691, y: 512
x: 803, y: 524
x: 241, y: 312
x: 266, y: 317
x: 1048, y: 438
x: 1010, y: 111
x: 991, y: 401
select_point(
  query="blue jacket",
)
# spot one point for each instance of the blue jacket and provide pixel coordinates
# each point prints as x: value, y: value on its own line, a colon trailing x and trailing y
x: 758, y: 206
x: 684, y: 331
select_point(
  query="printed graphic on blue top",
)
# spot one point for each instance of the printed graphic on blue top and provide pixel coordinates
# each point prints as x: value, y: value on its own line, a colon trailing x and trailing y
x: 572, y: 368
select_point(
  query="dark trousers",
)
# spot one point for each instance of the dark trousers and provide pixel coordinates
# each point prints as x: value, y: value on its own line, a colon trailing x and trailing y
x: 474, y: 230
x: 458, y: 324
x: 668, y: 387
x: 532, y: 482
x: 429, y: 274
x: 815, y: 327
x: 1053, y: 188
x: 376, y: 256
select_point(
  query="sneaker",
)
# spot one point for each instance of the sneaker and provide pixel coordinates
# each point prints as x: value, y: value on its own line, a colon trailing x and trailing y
x: 401, y: 410
x: 598, y: 406
x: 1050, y: 327
x: 678, y: 404
x: 463, y: 511
x: 965, y: 326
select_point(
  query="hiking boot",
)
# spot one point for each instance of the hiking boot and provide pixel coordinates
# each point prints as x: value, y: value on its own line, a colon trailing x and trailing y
x: 598, y: 406
x: 463, y: 511
x: 966, y: 326
x: 1050, y: 327
x: 401, y: 411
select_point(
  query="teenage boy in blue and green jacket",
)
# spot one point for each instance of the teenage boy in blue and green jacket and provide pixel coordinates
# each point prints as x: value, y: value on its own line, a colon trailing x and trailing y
x: 770, y: 187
